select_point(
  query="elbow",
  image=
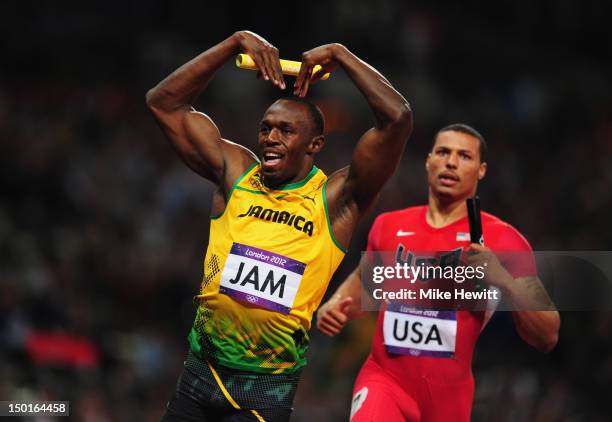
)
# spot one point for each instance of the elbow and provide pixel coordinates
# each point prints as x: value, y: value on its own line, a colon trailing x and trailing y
x: 549, y: 340
x: 150, y: 98
x: 402, y: 114
x: 400, y: 118
x: 549, y: 343
x: 159, y: 101
x: 156, y: 102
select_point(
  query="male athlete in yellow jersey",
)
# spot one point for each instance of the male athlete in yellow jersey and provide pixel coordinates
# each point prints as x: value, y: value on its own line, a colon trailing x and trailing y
x: 279, y: 226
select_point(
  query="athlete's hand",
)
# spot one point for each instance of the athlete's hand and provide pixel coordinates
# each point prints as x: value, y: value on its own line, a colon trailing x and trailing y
x: 333, y: 315
x: 264, y: 54
x: 495, y: 274
x: 323, y: 56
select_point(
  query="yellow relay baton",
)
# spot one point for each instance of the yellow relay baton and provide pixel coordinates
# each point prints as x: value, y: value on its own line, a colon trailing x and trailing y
x: 289, y: 67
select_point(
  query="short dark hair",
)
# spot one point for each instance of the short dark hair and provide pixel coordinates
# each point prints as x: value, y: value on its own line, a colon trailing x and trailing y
x: 316, y: 115
x: 468, y: 130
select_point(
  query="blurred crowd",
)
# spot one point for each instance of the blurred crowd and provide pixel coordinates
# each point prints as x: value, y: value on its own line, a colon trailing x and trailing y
x: 103, y: 229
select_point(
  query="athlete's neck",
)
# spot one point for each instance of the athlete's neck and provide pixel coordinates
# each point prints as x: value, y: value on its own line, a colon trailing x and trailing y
x: 441, y: 213
x: 274, y: 183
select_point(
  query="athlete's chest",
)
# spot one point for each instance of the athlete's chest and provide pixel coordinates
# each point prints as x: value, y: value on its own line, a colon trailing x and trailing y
x: 403, y: 236
x: 296, y: 214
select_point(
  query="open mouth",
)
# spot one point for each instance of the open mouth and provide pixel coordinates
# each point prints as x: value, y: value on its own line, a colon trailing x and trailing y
x: 272, y: 159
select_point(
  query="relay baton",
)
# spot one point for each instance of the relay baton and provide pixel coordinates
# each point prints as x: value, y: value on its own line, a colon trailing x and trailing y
x: 288, y: 67
x: 473, y: 209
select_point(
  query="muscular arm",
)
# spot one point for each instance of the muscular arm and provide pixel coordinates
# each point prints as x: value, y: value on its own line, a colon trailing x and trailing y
x: 352, y: 190
x: 540, y: 329
x: 536, y: 318
x: 193, y: 134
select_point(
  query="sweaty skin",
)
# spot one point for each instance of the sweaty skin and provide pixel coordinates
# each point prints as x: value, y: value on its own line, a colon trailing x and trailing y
x: 285, y: 131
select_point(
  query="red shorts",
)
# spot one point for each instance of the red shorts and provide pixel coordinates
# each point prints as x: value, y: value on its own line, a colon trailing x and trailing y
x: 379, y: 396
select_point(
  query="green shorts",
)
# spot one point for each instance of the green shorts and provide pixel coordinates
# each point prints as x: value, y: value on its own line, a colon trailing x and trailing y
x: 198, y: 395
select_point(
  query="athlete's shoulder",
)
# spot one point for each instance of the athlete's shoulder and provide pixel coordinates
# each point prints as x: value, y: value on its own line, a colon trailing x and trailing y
x: 502, y: 235
x: 493, y: 222
x: 389, y: 221
x: 402, y: 214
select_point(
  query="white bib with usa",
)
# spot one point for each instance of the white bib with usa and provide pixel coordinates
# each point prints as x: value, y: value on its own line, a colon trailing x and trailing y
x: 261, y: 278
x: 419, y: 332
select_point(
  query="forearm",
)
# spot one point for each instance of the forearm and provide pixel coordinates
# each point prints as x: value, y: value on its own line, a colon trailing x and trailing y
x: 351, y: 287
x: 388, y: 105
x: 538, y: 327
x: 535, y: 316
x: 184, y: 85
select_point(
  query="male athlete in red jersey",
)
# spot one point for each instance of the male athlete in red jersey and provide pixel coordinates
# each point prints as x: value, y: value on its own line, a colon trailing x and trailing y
x: 425, y: 374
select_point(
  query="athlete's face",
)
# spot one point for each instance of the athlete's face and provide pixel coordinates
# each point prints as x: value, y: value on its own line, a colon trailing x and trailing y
x: 454, y: 167
x: 286, y: 142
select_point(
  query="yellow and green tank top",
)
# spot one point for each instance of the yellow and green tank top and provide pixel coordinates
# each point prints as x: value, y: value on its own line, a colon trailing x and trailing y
x: 269, y: 260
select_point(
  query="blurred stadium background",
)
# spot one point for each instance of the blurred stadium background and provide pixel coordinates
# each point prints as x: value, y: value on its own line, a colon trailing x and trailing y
x: 103, y: 229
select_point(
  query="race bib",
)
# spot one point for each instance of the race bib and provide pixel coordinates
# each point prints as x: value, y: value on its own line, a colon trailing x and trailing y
x: 418, y: 332
x: 261, y: 278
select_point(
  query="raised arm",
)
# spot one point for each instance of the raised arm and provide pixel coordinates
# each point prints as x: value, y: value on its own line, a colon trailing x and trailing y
x: 352, y: 190
x: 194, y: 135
